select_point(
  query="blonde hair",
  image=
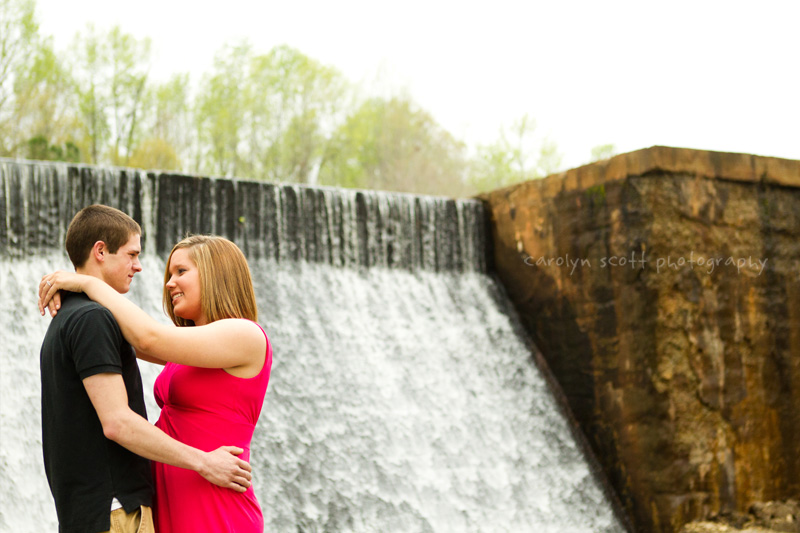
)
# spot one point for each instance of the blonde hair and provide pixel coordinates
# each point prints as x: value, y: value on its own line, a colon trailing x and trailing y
x: 226, y: 287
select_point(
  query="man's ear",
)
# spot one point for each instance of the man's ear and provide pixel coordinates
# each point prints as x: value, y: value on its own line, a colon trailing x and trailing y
x: 99, y: 251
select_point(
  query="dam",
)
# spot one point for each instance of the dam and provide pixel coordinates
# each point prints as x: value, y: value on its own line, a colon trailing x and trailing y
x: 405, y: 395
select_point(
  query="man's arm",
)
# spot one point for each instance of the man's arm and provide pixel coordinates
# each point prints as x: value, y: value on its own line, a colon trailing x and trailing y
x: 128, y: 429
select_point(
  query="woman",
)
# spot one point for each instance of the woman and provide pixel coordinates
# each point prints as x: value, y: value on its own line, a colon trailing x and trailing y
x: 217, y: 369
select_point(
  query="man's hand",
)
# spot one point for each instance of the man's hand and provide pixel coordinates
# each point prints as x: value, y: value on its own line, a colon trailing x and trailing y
x: 110, y: 399
x: 222, y: 467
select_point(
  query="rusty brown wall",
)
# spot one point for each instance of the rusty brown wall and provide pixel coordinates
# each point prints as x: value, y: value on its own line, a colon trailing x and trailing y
x: 685, y: 377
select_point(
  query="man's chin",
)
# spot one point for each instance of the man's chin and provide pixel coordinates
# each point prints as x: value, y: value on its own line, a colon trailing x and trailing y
x: 124, y: 288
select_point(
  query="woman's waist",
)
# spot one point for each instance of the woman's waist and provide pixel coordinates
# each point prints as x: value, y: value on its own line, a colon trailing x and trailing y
x: 205, y: 429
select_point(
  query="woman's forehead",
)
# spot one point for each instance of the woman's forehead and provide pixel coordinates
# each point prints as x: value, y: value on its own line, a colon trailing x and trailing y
x: 180, y: 256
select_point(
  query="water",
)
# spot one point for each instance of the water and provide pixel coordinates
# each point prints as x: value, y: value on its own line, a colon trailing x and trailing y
x: 403, y: 396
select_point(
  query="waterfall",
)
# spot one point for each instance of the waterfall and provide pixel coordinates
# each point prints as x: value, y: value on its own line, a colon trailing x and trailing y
x: 403, y: 396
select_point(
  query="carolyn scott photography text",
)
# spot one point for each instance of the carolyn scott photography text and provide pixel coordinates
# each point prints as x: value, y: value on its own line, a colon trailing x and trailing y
x: 637, y: 260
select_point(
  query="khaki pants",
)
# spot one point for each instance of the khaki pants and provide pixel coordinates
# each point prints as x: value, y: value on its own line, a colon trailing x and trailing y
x: 139, y: 521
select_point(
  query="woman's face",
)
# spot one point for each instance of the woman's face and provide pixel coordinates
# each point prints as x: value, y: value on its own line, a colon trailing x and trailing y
x: 184, y: 287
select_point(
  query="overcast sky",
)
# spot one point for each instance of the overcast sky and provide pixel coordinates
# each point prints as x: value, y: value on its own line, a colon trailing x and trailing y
x: 714, y: 75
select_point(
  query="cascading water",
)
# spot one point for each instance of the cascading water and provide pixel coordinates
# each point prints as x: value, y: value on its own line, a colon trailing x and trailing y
x: 403, y: 395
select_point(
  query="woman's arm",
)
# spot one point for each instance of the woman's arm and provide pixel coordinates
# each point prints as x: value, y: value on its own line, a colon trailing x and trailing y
x: 229, y: 344
x: 149, y: 358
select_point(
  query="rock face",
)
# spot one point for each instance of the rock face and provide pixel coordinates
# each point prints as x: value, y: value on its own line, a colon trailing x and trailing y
x: 766, y: 517
x: 663, y: 288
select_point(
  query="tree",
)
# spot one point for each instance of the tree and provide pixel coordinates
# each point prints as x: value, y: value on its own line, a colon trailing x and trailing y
x: 603, y: 151
x: 514, y: 157
x: 38, y: 147
x: 90, y: 80
x: 110, y: 81
x: 18, y: 38
x: 44, y: 105
x: 173, y: 121
x: 281, y: 116
x: 169, y: 124
x: 37, y: 118
x: 154, y: 153
x: 266, y: 116
x: 298, y: 100
x: 128, y: 63
x: 220, y: 114
x: 393, y: 145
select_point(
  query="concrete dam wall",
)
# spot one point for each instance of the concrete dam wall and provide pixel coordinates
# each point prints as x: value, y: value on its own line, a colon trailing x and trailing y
x: 663, y: 288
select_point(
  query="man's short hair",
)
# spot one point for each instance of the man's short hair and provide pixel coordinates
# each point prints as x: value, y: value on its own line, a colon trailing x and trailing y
x: 98, y: 223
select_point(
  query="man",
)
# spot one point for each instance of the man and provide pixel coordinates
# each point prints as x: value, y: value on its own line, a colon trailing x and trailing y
x: 96, y: 437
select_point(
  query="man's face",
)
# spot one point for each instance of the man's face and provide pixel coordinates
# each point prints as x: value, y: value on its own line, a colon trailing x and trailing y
x: 118, y: 269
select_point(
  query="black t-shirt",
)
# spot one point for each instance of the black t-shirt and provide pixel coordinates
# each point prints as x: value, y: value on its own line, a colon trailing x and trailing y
x: 84, y: 468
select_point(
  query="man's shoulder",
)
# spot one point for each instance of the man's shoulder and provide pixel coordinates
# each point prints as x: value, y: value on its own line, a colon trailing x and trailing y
x: 76, y: 303
x: 79, y: 308
x: 82, y: 326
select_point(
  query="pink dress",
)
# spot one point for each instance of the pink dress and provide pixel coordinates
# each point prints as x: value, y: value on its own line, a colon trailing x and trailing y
x: 207, y: 408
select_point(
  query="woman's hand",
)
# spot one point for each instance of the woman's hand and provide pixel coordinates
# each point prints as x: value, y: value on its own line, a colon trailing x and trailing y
x: 50, y: 298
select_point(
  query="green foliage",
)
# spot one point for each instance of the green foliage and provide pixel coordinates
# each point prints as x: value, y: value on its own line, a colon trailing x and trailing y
x: 550, y: 159
x: 45, y: 103
x: 515, y: 157
x: 301, y: 97
x: 37, y: 116
x: 280, y: 116
x: 110, y: 71
x: 219, y: 112
x: 597, y: 194
x: 393, y: 145
x: 154, y: 153
x: 167, y: 127
x: 18, y: 38
x: 603, y: 151
x: 267, y: 116
x: 39, y: 148
x: 128, y: 63
x: 90, y: 81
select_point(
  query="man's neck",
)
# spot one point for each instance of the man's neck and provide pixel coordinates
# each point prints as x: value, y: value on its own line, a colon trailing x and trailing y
x: 89, y: 270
